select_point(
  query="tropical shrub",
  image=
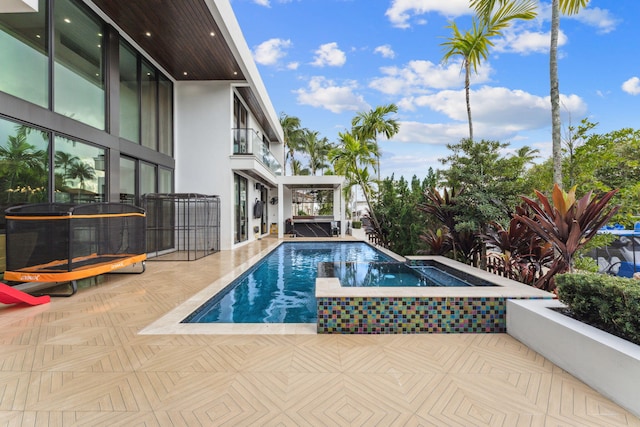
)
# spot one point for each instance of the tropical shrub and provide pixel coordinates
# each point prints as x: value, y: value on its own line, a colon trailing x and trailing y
x: 517, y: 252
x: 401, y: 223
x: 438, y: 241
x: 607, y: 302
x: 356, y: 224
x: 568, y: 225
x: 444, y: 209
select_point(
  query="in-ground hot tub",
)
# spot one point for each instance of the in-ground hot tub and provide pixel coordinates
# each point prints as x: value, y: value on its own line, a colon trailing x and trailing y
x: 421, y: 309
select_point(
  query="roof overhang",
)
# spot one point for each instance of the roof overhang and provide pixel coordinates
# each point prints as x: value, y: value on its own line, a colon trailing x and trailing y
x: 312, y: 182
x: 250, y: 166
x: 196, y: 40
x: 18, y: 6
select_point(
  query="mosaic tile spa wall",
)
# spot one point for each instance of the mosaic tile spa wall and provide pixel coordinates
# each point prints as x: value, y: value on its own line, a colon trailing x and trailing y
x: 407, y: 315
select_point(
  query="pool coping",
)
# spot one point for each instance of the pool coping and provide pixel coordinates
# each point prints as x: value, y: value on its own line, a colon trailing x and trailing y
x: 329, y: 287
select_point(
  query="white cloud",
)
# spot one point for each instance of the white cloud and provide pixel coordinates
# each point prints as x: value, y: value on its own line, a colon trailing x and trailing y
x: 497, y: 113
x: 526, y: 42
x: 265, y: 3
x: 632, y: 86
x: 401, y: 11
x: 601, y: 19
x: 598, y: 18
x: 420, y: 77
x: 325, y: 93
x: 431, y: 133
x: 271, y: 51
x: 293, y: 65
x: 385, y: 50
x: 329, y: 54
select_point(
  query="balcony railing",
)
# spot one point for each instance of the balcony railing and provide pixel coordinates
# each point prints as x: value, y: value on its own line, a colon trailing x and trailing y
x: 248, y: 142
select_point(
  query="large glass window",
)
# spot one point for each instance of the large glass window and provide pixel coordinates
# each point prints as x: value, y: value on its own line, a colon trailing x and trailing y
x: 240, y: 139
x: 165, y: 180
x: 79, y: 172
x: 147, y: 178
x: 129, y: 95
x: 149, y: 116
x: 240, y: 223
x: 24, y: 165
x: 165, y: 110
x: 24, y: 63
x: 78, y: 74
x: 127, y: 181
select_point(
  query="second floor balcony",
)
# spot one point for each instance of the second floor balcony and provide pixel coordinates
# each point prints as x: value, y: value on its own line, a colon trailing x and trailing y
x: 247, y: 142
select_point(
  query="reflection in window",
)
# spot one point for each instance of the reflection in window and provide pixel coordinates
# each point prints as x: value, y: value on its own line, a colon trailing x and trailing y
x: 24, y: 160
x: 147, y: 178
x: 78, y: 73
x: 240, y: 220
x: 165, y: 180
x: 165, y: 110
x: 127, y: 181
x: 24, y: 36
x: 129, y: 95
x: 79, y: 172
x: 149, y: 103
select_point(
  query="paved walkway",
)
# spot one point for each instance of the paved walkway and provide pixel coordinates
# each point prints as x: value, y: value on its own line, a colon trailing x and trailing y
x: 81, y: 361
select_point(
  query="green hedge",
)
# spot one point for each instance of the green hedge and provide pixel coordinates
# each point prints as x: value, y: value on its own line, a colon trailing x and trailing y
x: 356, y: 224
x: 607, y: 302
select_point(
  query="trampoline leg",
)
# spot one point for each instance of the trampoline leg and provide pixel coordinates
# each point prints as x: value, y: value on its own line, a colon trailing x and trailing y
x: 74, y: 288
x: 144, y: 268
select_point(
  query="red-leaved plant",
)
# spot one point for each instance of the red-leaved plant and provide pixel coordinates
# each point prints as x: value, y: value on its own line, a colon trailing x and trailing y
x: 568, y: 225
x: 517, y: 252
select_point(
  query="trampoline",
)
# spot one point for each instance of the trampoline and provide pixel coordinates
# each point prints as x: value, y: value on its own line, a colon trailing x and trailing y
x: 62, y: 243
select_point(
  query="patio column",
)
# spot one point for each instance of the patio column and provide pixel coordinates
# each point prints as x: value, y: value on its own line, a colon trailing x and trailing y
x: 280, y: 211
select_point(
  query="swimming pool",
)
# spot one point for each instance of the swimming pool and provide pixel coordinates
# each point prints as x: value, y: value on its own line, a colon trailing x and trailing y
x: 281, y: 287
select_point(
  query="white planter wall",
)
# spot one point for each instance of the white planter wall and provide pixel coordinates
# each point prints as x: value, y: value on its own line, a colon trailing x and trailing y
x: 605, y: 362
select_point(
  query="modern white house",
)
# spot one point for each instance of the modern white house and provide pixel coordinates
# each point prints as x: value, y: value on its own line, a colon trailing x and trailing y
x: 109, y: 100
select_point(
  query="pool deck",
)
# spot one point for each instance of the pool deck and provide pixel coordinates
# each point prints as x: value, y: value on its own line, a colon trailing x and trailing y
x: 83, y: 361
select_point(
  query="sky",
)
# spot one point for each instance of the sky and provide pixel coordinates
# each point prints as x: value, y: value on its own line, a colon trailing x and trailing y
x: 324, y: 61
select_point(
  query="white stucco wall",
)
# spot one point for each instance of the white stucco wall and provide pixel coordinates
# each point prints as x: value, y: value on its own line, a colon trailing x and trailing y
x: 203, y: 146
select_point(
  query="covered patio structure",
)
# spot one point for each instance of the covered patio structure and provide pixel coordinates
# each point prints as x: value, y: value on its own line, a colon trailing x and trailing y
x: 312, y: 206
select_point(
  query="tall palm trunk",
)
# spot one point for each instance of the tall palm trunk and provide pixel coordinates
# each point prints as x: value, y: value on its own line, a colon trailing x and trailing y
x: 467, y: 84
x: 374, y: 218
x: 555, y: 94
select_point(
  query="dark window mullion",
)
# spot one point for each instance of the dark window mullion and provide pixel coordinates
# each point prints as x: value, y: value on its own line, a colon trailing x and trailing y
x: 51, y: 48
x: 157, y: 116
x: 139, y: 72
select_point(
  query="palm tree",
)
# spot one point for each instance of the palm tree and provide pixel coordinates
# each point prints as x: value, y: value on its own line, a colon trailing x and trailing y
x: 81, y: 171
x: 473, y: 45
x: 292, y: 134
x: 568, y: 7
x: 20, y: 162
x: 352, y: 159
x: 65, y: 161
x: 297, y: 169
x: 373, y: 123
x: 317, y: 149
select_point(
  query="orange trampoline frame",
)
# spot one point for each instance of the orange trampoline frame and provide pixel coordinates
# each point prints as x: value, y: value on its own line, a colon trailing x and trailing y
x: 50, y: 272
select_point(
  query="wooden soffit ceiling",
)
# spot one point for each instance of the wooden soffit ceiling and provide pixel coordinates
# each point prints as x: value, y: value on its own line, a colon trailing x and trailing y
x: 184, y: 38
x: 178, y: 35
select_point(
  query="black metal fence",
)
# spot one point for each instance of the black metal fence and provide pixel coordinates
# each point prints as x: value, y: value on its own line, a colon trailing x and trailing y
x: 182, y: 226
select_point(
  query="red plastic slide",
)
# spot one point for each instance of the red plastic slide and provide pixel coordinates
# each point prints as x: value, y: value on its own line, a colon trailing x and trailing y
x: 9, y: 295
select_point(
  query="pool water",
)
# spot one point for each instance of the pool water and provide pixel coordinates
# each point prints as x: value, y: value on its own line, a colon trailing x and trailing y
x: 281, y: 287
x: 389, y: 274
